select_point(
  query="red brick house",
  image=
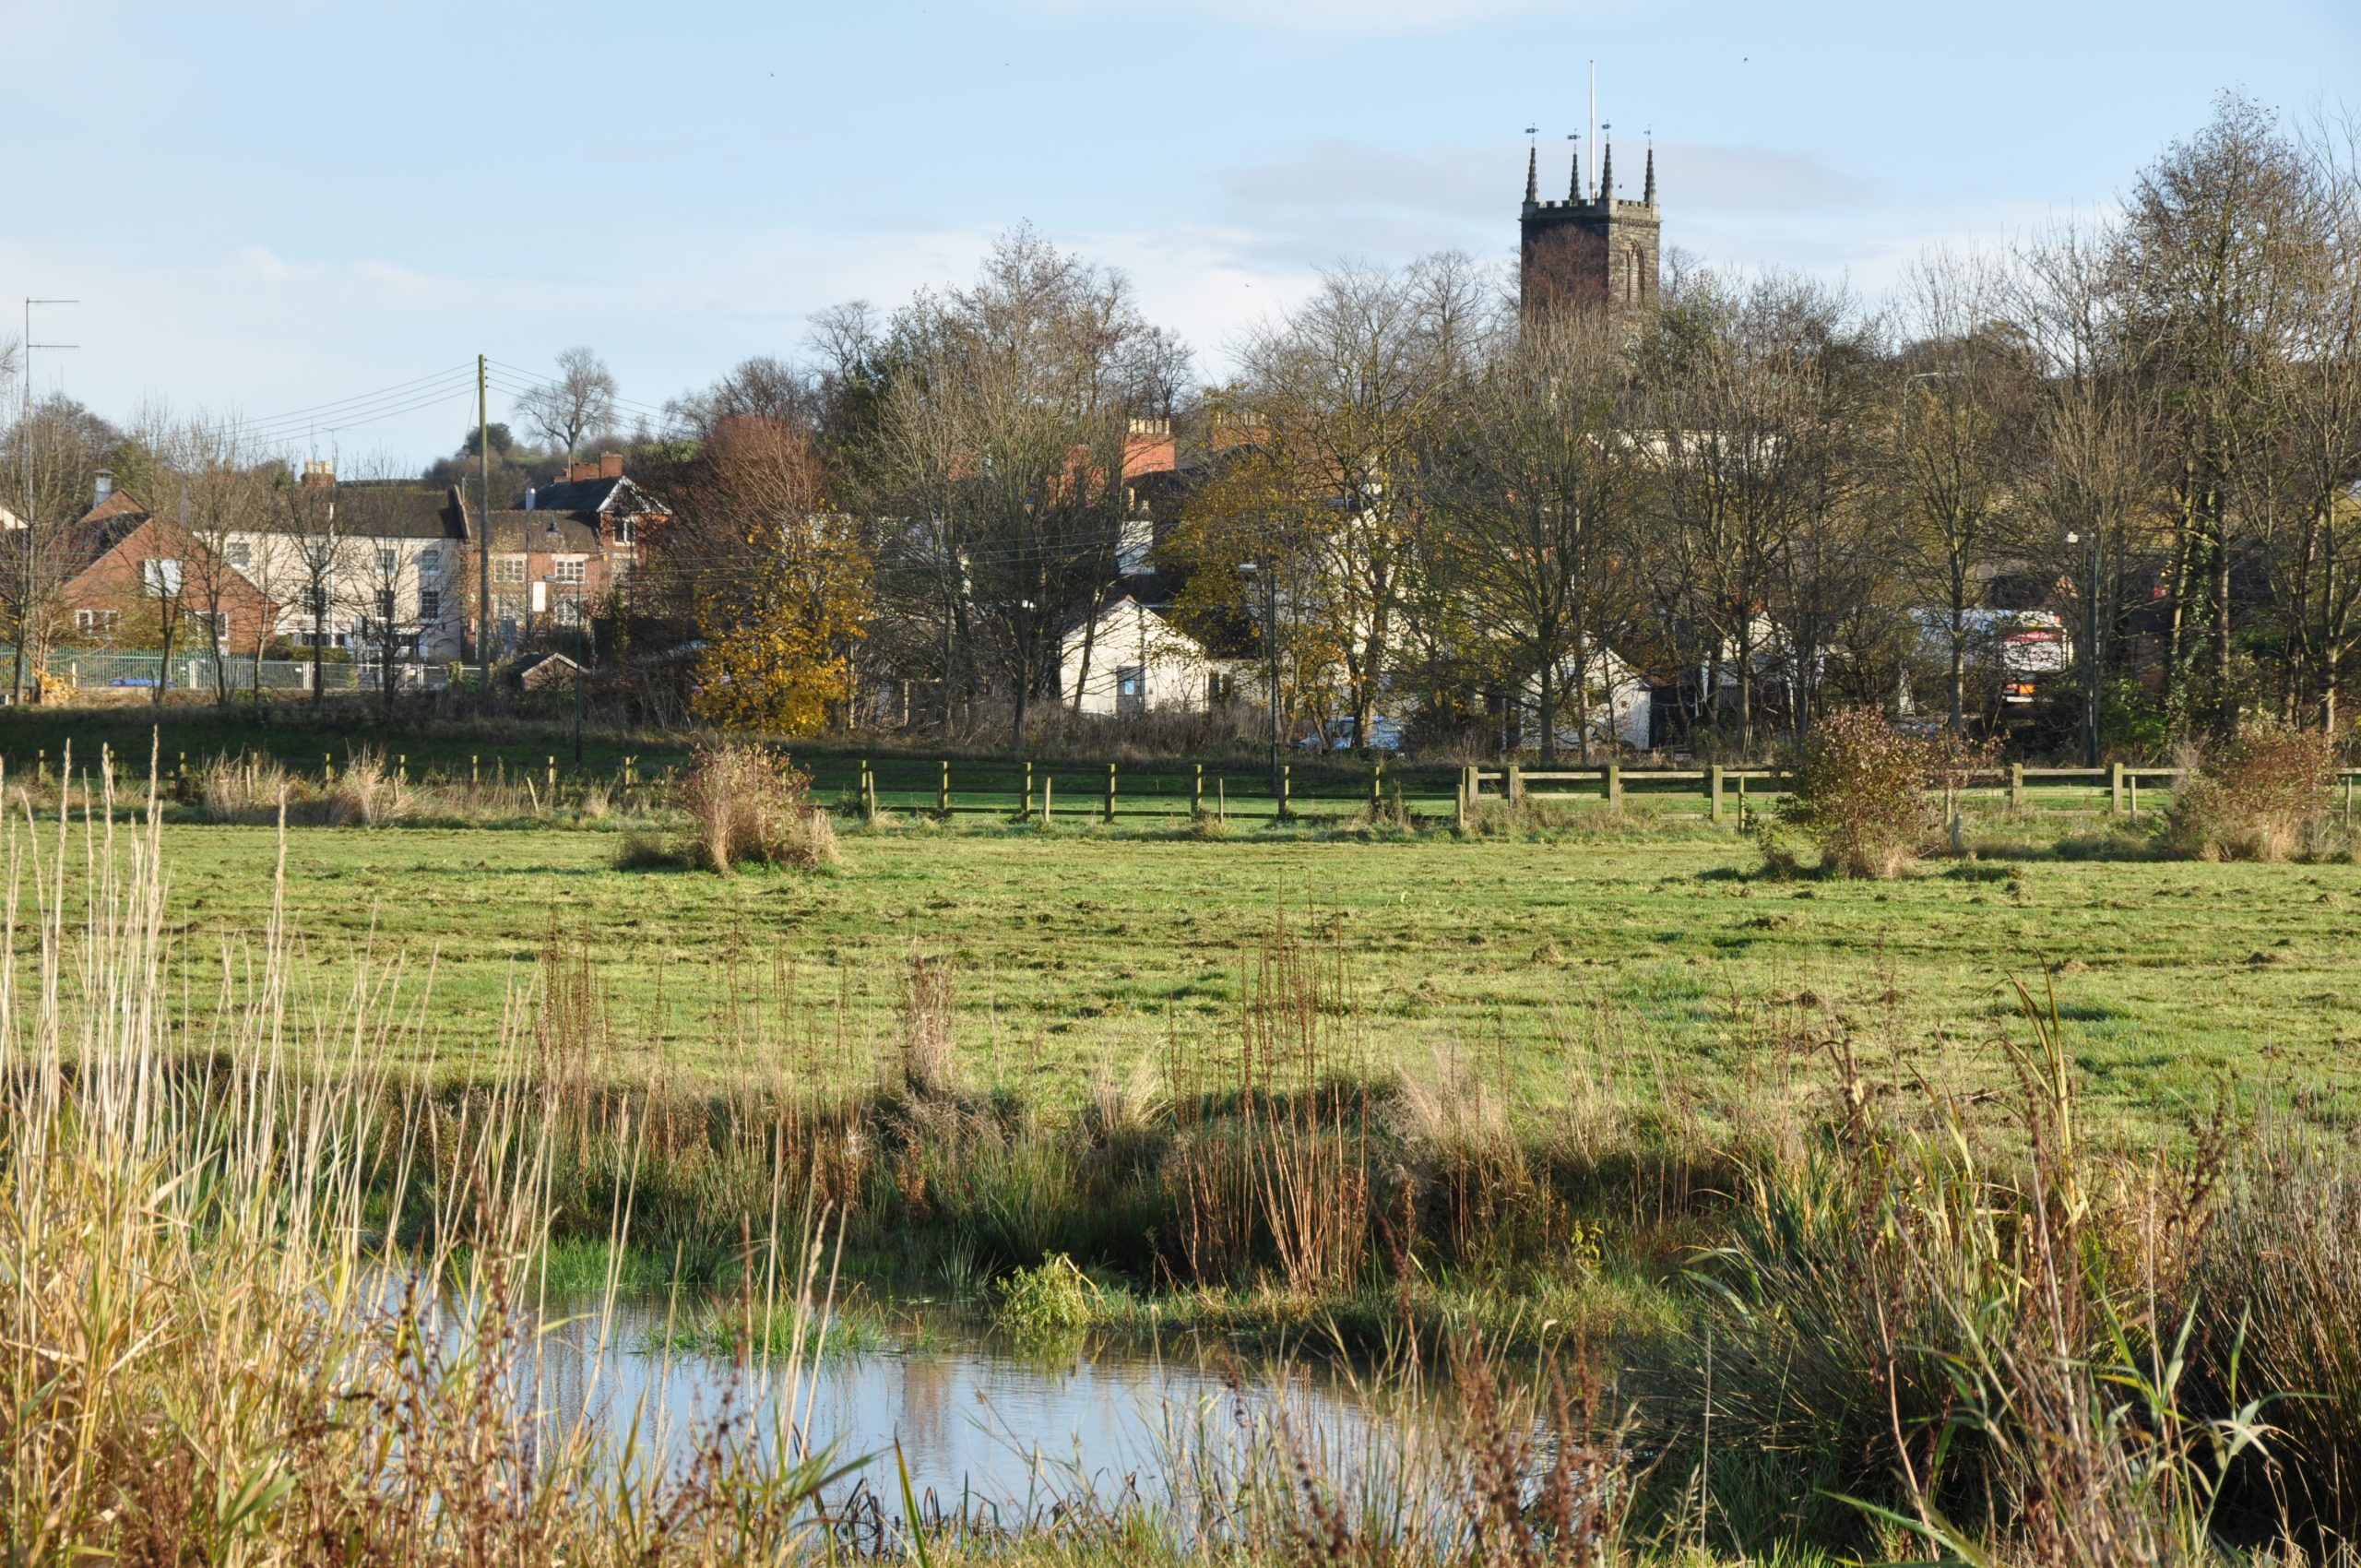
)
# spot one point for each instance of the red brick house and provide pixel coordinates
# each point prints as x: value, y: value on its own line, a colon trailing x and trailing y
x: 128, y: 568
x: 564, y: 555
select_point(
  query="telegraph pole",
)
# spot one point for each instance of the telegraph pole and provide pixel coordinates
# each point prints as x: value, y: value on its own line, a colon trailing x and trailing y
x: 484, y: 537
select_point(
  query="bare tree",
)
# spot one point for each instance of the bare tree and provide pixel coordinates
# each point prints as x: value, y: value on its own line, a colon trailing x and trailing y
x: 1532, y: 485
x: 1342, y: 397
x: 999, y: 446
x: 2222, y: 232
x: 1956, y: 401
x: 578, y: 404
x: 1749, y: 392
x: 221, y: 501
x: 52, y: 454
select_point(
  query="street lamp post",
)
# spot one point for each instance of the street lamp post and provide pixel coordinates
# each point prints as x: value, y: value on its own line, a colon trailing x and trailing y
x: 1249, y: 570
x: 2090, y: 648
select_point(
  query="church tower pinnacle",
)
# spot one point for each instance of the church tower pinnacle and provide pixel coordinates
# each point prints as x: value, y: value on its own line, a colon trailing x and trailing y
x: 1593, y: 251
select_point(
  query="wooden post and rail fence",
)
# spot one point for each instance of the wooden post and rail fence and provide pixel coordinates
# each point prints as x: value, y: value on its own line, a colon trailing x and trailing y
x: 1723, y: 789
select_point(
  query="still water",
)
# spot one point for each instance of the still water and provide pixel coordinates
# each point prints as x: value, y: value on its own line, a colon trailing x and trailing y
x: 988, y: 1427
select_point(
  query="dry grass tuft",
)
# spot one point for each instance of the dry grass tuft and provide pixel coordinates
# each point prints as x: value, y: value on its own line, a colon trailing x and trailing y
x: 748, y: 804
x: 2264, y: 796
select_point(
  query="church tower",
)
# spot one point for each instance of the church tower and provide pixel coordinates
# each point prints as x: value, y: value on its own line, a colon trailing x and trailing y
x: 1599, y: 253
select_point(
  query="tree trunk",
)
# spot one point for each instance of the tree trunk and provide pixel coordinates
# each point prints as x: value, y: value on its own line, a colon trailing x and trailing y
x: 320, y: 638
x: 2225, y: 691
x: 1548, y: 714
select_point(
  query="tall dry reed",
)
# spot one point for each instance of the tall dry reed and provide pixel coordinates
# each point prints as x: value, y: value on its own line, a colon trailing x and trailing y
x: 208, y: 1349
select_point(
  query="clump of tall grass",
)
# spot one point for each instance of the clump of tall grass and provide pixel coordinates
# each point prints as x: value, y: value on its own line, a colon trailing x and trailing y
x: 1976, y: 1348
x: 748, y: 804
x: 2264, y: 795
x: 248, y: 788
x: 367, y: 792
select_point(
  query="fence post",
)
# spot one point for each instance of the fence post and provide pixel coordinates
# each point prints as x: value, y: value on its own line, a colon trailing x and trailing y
x: 1221, y: 799
x: 1048, y: 796
x: 1111, y: 792
x: 1376, y: 786
x: 2133, y: 780
x: 2114, y: 790
x: 942, y: 793
x: 552, y: 777
x: 1713, y: 790
x: 41, y: 766
x: 1459, y: 799
x: 1286, y: 789
x: 2016, y: 787
x: 327, y: 769
x: 401, y: 767
x: 1615, y: 785
x: 1027, y: 812
x: 475, y: 771
x: 1197, y: 791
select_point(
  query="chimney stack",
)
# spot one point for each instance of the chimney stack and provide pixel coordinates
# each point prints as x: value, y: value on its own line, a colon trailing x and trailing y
x: 105, y: 488
x: 610, y: 465
x: 318, y: 474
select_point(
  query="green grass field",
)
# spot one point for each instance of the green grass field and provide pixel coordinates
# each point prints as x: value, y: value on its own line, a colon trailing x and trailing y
x: 1655, y: 964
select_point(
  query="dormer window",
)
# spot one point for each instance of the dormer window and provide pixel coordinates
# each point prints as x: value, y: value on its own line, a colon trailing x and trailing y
x: 624, y: 530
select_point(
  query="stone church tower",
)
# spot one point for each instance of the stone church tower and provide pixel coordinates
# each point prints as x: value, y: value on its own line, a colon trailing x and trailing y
x: 1594, y: 253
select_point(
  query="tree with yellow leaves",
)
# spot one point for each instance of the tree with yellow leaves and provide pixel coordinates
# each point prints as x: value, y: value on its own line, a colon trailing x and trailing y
x: 782, y: 586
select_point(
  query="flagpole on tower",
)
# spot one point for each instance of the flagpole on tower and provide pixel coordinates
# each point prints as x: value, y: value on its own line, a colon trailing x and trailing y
x: 1592, y: 179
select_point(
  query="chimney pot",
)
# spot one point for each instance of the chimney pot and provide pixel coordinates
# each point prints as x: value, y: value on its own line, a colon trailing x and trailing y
x: 105, y: 487
x: 528, y: 498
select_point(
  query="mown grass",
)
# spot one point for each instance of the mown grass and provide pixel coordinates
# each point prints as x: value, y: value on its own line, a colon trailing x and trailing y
x: 1653, y: 967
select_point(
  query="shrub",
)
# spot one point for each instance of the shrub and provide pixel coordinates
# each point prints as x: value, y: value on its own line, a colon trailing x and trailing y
x: 1862, y: 792
x: 2261, y: 796
x: 747, y: 803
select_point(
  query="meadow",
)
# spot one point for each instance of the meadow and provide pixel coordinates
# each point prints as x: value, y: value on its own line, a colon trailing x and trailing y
x: 1673, y: 1204
x: 1655, y: 964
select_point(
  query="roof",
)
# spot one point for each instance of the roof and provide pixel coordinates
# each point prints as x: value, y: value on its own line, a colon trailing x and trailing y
x: 387, y: 511
x: 118, y: 504
x: 521, y: 532
x: 591, y: 496
x: 370, y: 510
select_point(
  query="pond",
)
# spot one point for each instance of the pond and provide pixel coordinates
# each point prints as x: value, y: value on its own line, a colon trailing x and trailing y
x: 992, y: 1428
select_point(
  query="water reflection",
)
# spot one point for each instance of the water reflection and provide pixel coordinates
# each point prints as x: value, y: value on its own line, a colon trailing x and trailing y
x: 987, y: 1427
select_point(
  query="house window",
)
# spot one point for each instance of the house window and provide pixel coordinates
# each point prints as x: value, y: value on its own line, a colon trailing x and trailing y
x: 161, y: 576
x: 569, y: 612
x: 566, y: 571
x: 98, y: 623
x: 242, y: 555
x: 508, y: 569
x: 622, y: 530
x: 509, y: 607
x: 430, y: 564
x: 385, y: 604
x: 430, y: 604
x: 389, y: 560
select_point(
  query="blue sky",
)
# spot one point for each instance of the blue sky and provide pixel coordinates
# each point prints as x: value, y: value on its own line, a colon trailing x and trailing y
x: 267, y: 205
